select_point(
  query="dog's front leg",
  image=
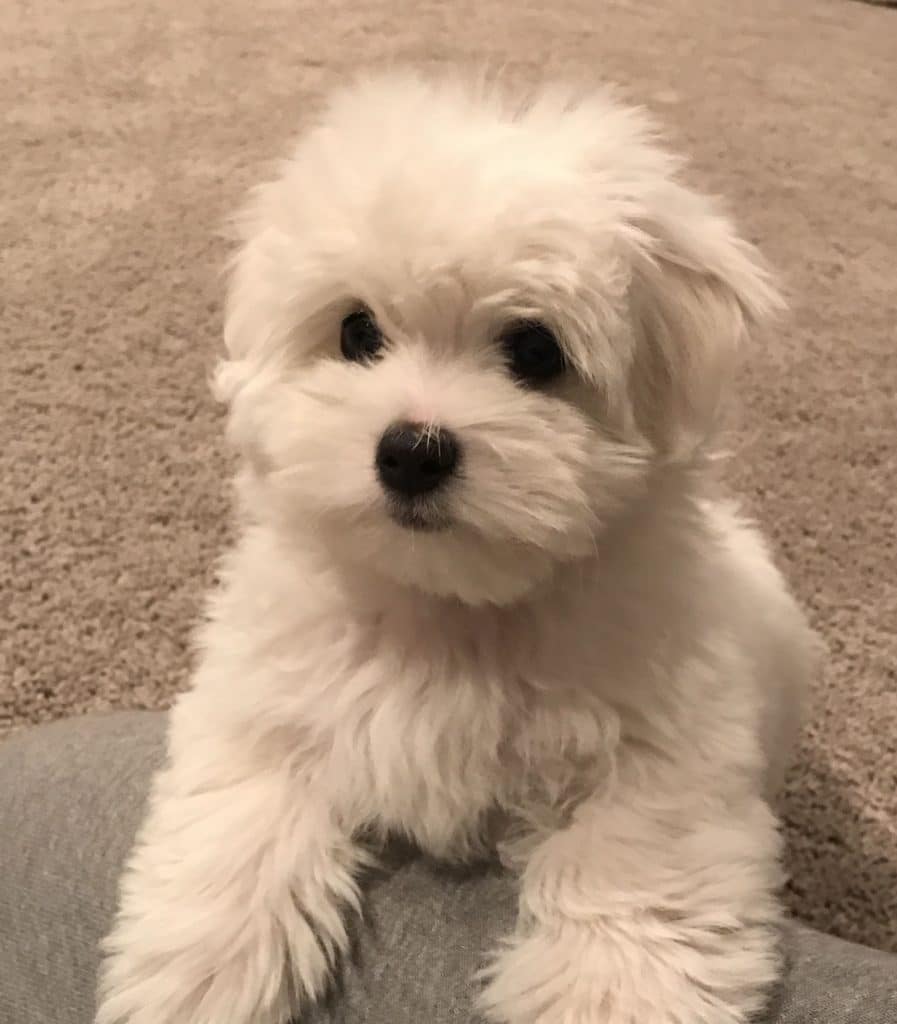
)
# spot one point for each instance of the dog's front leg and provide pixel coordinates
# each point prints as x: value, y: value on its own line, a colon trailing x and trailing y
x: 231, y: 906
x: 649, y: 908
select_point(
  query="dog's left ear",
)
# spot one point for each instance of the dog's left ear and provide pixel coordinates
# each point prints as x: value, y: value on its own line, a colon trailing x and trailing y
x: 697, y: 290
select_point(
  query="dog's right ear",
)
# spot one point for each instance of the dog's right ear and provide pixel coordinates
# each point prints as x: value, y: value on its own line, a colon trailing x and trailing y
x: 256, y: 319
x: 697, y: 291
x: 244, y: 323
x: 253, y: 324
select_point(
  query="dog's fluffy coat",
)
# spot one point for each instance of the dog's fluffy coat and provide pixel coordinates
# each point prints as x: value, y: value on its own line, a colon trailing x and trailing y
x: 592, y: 667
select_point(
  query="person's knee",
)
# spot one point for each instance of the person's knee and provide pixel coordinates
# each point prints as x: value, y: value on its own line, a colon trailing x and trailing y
x: 72, y: 795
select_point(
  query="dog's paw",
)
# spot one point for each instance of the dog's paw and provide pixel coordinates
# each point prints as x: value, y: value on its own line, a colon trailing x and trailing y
x: 574, y: 974
x: 535, y: 980
x: 210, y: 982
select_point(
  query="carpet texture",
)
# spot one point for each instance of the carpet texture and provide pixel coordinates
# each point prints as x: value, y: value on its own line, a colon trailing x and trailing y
x: 130, y: 130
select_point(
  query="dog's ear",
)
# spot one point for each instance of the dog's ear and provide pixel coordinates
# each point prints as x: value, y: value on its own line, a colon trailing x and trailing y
x: 697, y: 290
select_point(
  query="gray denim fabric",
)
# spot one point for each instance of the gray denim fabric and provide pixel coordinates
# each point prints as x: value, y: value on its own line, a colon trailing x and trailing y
x: 72, y: 795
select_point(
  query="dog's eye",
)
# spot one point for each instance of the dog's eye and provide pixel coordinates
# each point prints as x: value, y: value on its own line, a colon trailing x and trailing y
x: 360, y: 337
x: 533, y: 353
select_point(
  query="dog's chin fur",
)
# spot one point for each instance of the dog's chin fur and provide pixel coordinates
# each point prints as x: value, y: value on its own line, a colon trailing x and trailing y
x: 573, y: 652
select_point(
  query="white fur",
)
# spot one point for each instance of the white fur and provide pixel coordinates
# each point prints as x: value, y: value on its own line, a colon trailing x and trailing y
x: 594, y: 669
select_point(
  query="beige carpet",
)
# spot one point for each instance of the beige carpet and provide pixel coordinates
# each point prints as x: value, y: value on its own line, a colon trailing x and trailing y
x: 129, y: 129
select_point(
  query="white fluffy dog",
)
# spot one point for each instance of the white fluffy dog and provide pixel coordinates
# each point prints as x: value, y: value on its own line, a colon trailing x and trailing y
x: 485, y: 594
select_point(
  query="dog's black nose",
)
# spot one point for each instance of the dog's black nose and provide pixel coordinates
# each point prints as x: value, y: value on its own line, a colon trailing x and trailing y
x: 412, y: 460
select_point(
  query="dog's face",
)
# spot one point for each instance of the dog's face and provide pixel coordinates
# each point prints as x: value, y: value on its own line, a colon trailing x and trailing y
x: 462, y: 332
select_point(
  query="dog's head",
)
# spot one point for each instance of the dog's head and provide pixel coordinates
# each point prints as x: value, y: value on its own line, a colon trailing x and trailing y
x: 462, y: 330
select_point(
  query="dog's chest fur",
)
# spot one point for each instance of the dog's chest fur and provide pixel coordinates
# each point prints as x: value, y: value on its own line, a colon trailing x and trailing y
x: 433, y: 718
x: 451, y: 724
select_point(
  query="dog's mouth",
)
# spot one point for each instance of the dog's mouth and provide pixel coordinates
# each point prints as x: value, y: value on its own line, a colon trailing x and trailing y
x: 418, y: 514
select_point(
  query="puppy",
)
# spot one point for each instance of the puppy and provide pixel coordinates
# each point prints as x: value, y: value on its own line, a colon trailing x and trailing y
x: 485, y: 594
